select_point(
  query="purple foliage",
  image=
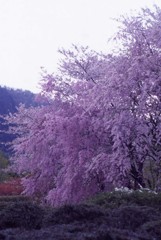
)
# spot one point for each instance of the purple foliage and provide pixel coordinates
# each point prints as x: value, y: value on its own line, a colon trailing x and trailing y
x: 103, y: 120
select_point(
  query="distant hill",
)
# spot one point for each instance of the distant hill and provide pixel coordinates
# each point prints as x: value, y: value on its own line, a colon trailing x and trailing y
x: 11, y: 98
x: 9, y: 101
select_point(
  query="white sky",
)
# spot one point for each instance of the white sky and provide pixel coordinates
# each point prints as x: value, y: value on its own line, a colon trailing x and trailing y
x: 31, y: 31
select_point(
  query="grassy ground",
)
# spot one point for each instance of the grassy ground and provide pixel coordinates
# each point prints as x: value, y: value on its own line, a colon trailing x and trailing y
x: 113, y: 216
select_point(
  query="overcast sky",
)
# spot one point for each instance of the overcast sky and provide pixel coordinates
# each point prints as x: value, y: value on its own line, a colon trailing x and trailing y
x: 31, y: 31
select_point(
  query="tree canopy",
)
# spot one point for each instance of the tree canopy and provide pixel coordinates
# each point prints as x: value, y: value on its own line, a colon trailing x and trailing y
x: 101, y: 127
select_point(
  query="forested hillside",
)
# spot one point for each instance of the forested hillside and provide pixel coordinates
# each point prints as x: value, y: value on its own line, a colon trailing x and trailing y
x: 9, y: 101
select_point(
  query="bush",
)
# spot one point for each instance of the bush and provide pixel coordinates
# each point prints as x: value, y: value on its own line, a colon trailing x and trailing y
x: 132, y: 217
x: 21, y: 214
x: 116, y: 199
x: 153, y: 228
x: 71, y: 213
x: 5, y: 201
x: 14, y: 198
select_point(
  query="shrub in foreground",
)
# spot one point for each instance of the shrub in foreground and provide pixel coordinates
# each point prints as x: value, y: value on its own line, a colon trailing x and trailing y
x: 118, y: 198
x: 21, y: 215
x: 132, y: 217
x: 153, y: 228
x: 72, y: 213
x: 81, y: 222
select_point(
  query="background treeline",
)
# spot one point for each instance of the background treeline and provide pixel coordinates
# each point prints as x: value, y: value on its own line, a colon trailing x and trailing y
x: 9, y: 101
